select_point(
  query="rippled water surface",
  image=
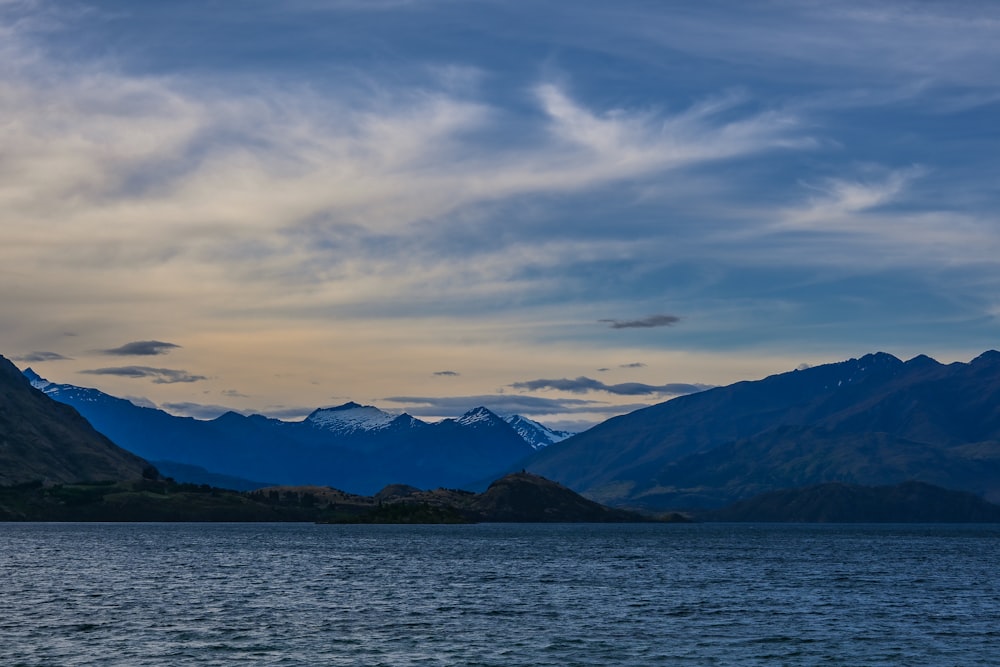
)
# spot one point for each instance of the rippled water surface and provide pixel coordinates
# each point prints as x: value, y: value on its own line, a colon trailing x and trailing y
x: 252, y: 594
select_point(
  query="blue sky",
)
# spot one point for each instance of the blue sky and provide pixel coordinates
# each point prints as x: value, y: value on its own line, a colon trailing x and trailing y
x: 566, y: 209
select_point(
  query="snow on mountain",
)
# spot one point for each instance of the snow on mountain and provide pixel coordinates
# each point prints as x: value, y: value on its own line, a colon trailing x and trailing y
x: 353, y: 418
x: 36, y: 380
x: 535, y: 434
x: 65, y: 393
x: 478, y: 417
x: 350, y: 418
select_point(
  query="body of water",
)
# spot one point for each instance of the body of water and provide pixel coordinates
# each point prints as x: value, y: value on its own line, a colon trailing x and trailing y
x: 252, y: 594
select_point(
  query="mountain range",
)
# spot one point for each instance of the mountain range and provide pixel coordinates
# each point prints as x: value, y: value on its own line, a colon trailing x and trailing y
x: 875, y: 421
x: 872, y: 421
x: 357, y: 448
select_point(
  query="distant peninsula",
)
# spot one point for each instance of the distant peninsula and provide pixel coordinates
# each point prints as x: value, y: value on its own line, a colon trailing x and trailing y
x: 518, y: 497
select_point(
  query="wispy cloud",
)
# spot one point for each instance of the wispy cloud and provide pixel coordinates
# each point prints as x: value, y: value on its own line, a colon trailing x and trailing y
x: 39, y: 356
x: 446, y: 373
x: 159, y: 375
x: 436, y: 406
x: 644, y: 323
x: 837, y: 199
x: 584, y: 385
x: 634, y: 364
x: 142, y: 348
x: 622, y: 143
x: 889, y: 42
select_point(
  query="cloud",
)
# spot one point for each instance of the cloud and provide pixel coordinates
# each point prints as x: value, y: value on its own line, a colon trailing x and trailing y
x: 447, y: 373
x: 142, y: 348
x: 239, y: 187
x: 42, y: 356
x: 583, y: 385
x: 840, y: 200
x: 791, y: 37
x: 635, y: 364
x: 644, y: 323
x: 436, y: 406
x: 286, y: 413
x: 324, y: 189
x: 232, y: 393
x: 159, y: 375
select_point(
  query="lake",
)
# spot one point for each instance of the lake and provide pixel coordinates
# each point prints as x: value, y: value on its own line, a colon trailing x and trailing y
x: 302, y: 594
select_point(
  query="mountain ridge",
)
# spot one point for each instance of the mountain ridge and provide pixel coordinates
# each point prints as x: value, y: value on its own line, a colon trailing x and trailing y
x: 870, y: 420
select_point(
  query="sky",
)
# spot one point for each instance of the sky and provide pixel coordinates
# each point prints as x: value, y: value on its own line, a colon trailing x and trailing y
x: 566, y: 210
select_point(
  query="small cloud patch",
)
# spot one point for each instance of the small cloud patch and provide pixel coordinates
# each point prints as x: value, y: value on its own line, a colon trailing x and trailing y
x: 447, y: 373
x: 650, y: 322
x: 158, y: 375
x: 38, y: 356
x: 142, y: 348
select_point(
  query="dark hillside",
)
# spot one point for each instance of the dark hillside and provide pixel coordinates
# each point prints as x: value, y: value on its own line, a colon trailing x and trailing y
x: 41, y: 439
x: 909, y: 502
x: 873, y: 420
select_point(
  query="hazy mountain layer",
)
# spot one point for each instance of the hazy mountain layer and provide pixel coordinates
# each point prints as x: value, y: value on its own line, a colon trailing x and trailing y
x: 353, y: 447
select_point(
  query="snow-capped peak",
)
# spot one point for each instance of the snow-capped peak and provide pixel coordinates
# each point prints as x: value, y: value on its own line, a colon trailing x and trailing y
x: 477, y: 416
x: 535, y: 434
x: 36, y: 380
x: 352, y: 417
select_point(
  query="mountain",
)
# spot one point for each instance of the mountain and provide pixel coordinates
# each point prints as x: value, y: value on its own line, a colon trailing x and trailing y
x: 43, y: 440
x: 835, y: 502
x: 361, y: 427
x: 535, y: 434
x: 355, y: 447
x: 871, y: 421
